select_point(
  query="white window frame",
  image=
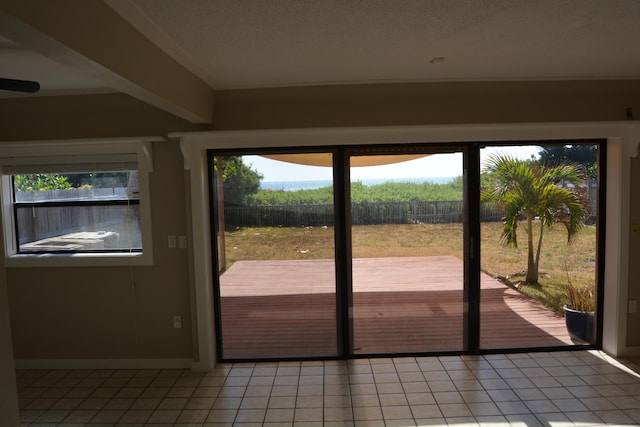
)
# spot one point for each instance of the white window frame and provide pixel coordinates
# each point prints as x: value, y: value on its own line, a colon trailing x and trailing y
x: 47, y: 153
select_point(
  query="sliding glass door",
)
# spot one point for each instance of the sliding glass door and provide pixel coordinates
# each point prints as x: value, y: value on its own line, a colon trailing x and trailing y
x: 412, y: 249
x: 275, y: 251
x: 539, y: 253
x: 407, y: 219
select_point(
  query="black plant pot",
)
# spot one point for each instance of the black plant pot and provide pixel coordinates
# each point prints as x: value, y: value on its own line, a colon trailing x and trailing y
x: 579, y: 325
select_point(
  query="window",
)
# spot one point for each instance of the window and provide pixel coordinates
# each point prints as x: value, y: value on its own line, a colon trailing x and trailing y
x: 79, y: 212
x: 87, y: 207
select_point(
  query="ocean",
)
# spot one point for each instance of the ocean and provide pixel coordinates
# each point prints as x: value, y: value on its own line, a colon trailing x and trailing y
x: 313, y: 184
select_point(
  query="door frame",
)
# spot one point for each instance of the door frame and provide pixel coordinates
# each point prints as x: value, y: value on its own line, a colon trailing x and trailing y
x: 622, y: 141
x: 471, y: 234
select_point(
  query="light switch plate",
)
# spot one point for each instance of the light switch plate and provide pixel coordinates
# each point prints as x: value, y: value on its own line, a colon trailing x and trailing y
x: 177, y: 322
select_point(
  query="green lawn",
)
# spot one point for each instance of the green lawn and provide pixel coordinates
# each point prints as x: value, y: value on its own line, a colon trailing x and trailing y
x: 371, y: 241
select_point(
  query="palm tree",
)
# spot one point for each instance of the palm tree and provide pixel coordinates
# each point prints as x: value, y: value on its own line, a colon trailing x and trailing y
x: 527, y: 190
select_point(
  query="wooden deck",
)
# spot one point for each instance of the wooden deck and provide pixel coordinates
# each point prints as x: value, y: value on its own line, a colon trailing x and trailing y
x: 413, y: 304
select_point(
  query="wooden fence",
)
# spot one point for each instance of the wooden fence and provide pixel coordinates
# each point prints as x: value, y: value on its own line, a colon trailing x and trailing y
x: 42, y: 223
x: 35, y: 222
x: 435, y: 212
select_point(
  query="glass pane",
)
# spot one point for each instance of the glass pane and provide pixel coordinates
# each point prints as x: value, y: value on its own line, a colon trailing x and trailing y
x: 90, y: 186
x: 79, y: 228
x: 276, y: 253
x: 55, y: 212
x: 407, y: 253
x: 536, y: 197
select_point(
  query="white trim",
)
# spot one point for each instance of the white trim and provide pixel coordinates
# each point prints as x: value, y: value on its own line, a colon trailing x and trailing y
x: 57, y: 147
x: 616, y: 256
x: 43, y: 152
x: 68, y: 164
x: 78, y: 260
x: 401, y: 134
x: 103, y: 363
x: 196, y: 163
x: 619, y: 137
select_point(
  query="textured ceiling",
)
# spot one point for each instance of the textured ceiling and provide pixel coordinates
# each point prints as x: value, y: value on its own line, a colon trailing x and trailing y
x: 255, y: 43
x: 236, y: 44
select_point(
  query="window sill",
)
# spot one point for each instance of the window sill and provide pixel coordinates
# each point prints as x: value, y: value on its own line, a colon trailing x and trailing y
x: 78, y: 260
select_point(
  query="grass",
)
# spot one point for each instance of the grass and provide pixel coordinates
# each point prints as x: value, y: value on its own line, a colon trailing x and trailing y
x: 370, y: 241
x: 552, y: 291
x: 267, y: 243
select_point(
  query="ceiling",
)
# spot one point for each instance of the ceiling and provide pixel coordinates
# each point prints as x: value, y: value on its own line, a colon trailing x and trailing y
x: 256, y: 43
x: 239, y: 44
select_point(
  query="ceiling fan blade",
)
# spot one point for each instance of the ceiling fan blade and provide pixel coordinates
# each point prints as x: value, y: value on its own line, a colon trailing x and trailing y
x: 19, y: 85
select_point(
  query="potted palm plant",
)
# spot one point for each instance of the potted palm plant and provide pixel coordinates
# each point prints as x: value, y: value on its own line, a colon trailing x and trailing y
x: 579, y: 313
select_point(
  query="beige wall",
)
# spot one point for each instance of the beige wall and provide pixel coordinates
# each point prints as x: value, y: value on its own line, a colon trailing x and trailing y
x: 105, y: 312
x: 112, y: 312
x: 426, y: 103
x: 88, y: 116
x: 127, y: 312
x: 9, y: 415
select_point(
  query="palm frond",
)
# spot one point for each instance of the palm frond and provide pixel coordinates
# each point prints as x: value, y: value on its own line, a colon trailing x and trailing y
x: 527, y: 189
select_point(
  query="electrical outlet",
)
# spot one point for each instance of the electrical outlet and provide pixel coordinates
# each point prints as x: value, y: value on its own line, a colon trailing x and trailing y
x: 182, y: 242
x: 171, y: 241
x: 177, y: 322
x: 633, y: 306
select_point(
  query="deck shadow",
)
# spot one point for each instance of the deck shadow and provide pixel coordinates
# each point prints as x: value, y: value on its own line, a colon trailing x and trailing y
x: 304, y: 325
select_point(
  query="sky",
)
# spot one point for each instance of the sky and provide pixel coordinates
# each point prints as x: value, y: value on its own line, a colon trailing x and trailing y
x: 440, y: 165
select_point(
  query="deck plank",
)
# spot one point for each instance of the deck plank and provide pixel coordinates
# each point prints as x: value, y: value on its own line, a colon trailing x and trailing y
x: 286, y: 308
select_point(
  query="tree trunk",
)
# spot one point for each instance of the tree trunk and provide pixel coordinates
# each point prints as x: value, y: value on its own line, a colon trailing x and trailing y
x: 532, y: 268
x: 538, y: 249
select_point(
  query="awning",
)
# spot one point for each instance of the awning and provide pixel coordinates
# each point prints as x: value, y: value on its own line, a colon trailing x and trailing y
x: 326, y: 159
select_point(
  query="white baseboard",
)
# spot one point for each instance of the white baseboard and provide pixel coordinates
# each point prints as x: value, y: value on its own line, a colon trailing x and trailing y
x: 201, y: 366
x: 103, y: 363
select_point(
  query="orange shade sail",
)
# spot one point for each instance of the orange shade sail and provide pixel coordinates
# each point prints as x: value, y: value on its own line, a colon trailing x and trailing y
x: 326, y: 159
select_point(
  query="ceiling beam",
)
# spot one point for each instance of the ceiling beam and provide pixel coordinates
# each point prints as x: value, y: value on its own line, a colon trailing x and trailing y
x: 91, y: 37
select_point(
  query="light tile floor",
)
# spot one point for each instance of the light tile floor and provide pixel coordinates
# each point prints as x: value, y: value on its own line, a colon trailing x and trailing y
x: 531, y: 389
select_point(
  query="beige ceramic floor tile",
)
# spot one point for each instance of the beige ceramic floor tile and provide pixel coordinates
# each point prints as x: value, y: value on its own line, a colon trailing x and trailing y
x: 164, y: 416
x: 250, y: 416
x: 193, y: 416
x: 522, y: 389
